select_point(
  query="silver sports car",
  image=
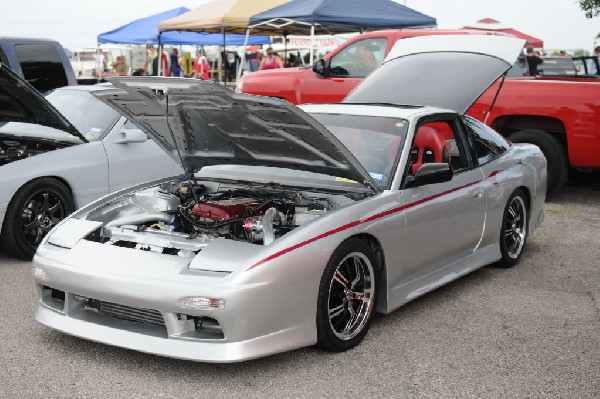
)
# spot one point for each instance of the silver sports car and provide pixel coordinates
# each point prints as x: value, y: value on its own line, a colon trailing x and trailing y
x: 292, y: 227
x: 60, y: 152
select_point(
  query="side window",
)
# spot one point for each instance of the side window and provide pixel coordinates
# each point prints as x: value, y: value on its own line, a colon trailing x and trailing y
x: 359, y: 59
x: 438, y: 142
x: 488, y: 144
x: 42, y: 66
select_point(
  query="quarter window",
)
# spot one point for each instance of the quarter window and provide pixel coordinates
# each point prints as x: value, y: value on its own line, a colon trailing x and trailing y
x: 488, y: 144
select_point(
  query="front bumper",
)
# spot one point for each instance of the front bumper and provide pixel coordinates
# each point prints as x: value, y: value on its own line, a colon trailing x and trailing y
x: 253, y: 322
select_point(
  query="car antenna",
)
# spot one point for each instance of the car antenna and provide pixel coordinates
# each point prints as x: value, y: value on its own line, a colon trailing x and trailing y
x: 188, y: 175
x: 495, y: 98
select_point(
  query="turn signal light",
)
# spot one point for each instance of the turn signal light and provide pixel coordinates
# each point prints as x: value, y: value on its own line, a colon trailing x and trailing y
x: 201, y: 302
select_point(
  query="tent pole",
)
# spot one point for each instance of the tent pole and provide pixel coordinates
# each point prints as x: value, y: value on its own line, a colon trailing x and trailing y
x: 159, y: 56
x: 239, y: 71
x: 224, y: 56
x: 285, y: 35
x: 312, y: 44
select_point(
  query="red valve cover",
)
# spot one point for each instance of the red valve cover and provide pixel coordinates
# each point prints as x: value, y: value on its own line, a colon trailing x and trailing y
x: 226, y: 209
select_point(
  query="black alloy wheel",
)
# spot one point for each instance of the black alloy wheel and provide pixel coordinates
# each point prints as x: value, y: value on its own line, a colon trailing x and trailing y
x: 33, y: 211
x: 513, y: 234
x: 347, y: 296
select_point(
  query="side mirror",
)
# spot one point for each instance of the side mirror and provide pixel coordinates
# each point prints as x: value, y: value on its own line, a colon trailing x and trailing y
x: 126, y: 136
x: 431, y: 173
x: 320, y: 67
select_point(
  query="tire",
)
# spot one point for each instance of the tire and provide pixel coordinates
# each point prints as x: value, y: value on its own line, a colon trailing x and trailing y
x: 347, y: 296
x: 513, y: 232
x: 35, y: 208
x: 558, y: 163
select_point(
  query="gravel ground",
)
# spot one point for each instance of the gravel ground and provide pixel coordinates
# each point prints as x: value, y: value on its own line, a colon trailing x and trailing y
x: 530, y: 331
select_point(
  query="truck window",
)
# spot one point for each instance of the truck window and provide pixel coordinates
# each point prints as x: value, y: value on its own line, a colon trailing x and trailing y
x: 41, y: 65
x: 359, y: 59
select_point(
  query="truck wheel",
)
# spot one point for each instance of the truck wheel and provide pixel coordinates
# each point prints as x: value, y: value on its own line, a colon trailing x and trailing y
x: 37, y: 207
x: 558, y: 165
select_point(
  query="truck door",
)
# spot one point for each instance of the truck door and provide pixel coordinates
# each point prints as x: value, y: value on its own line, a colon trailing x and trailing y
x: 344, y: 71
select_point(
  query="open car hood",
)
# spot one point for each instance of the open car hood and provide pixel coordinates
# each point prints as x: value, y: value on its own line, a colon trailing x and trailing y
x: 20, y: 102
x: 208, y: 124
x: 445, y: 71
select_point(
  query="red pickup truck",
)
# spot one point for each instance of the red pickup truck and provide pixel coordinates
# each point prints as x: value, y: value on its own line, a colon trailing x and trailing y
x: 561, y: 115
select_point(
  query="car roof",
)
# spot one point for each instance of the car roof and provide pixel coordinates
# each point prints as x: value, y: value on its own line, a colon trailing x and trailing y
x: 381, y: 110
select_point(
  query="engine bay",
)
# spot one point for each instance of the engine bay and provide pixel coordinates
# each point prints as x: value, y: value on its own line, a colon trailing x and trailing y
x: 17, y: 148
x: 179, y: 218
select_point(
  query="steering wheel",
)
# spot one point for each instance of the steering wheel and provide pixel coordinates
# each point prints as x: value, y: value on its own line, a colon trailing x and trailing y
x: 361, y: 69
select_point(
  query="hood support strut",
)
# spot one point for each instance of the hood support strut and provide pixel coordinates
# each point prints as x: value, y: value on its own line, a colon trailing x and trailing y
x: 495, y: 98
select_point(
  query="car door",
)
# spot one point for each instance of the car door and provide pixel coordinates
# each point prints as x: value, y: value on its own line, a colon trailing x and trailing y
x: 346, y: 69
x: 130, y: 163
x: 444, y: 221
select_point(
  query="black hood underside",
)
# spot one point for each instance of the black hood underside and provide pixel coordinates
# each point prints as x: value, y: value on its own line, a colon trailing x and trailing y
x: 202, y: 123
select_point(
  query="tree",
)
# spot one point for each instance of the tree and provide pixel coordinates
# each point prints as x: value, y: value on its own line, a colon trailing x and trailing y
x: 590, y: 7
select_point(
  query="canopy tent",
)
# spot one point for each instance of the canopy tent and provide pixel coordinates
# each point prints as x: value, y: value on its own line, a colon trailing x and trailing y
x: 494, y: 25
x: 336, y: 16
x: 224, y: 16
x: 310, y: 17
x: 146, y: 31
x: 231, y: 16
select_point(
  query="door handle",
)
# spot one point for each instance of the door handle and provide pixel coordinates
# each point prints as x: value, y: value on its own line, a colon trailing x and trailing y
x: 477, y: 193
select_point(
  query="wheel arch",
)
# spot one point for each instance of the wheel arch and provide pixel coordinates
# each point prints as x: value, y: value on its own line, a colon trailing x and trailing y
x: 57, y: 178
x: 509, y: 124
x: 527, y: 193
x: 379, y: 253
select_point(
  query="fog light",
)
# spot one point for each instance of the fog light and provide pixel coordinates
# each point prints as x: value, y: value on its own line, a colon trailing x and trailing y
x: 201, y: 302
x: 39, y: 274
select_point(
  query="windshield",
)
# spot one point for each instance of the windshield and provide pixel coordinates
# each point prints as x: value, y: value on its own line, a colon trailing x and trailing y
x: 89, y: 115
x: 373, y: 140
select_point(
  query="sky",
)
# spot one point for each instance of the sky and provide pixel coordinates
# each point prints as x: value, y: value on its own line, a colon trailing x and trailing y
x: 76, y: 24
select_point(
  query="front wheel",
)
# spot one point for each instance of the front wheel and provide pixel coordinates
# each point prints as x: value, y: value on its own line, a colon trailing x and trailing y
x: 33, y: 211
x: 513, y: 233
x: 347, y: 296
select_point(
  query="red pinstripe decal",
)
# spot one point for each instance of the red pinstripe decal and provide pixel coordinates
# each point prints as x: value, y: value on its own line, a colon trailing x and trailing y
x: 366, y: 220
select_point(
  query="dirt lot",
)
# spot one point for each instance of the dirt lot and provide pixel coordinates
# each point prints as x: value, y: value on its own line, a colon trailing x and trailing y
x: 531, y: 331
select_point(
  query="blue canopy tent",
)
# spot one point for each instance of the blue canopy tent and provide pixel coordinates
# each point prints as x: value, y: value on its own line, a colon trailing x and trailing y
x: 146, y: 31
x: 338, y: 16
x: 310, y: 17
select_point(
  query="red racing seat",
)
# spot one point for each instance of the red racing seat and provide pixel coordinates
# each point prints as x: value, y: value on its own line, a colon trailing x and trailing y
x: 430, y: 147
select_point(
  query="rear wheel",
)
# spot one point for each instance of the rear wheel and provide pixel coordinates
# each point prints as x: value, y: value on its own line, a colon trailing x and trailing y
x: 33, y: 211
x: 513, y: 234
x: 558, y: 164
x: 347, y: 295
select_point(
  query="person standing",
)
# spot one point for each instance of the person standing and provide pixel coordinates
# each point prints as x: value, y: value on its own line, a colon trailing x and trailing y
x: 122, y: 68
x: 271, y: 61
x: 533, y: 60
x: 201, y: 68
x: 175, y: 67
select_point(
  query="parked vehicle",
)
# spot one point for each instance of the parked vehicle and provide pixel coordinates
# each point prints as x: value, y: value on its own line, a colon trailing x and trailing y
x: 557, y: 66
x: 290, y: 230
x: 587, y: 65
x: 61, y: 152
x: 556, y: 113
x: 43, y: 63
